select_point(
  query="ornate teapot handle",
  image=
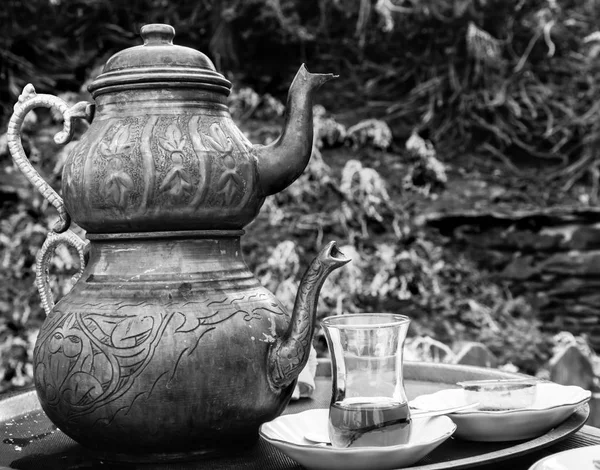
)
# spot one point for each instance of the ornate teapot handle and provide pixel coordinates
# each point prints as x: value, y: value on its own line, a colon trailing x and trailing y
x: 28, y: 100
x: 43, y: 259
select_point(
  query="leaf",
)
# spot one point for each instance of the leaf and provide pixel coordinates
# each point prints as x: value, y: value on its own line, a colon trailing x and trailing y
x: 175, y: 135
x: 218, y: 140
x: 167, y: 145
x: 216, y: 145
x: 173, y: 139
x: 101, y: 326
x: 131, y: 331
x: 81, y: 388
x: 120, y: 141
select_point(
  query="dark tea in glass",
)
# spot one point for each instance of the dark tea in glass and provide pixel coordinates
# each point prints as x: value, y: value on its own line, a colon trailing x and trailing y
x: 364, y: 423
x: 368, y: 406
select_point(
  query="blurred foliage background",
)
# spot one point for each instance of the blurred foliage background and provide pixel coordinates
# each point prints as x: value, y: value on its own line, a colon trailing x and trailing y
x: 428, y: 89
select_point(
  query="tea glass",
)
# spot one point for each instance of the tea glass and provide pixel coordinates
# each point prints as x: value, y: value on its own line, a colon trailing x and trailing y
x: 368, y: 404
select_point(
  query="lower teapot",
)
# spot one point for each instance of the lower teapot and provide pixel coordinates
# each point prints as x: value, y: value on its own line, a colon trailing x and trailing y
x: 173, y: 353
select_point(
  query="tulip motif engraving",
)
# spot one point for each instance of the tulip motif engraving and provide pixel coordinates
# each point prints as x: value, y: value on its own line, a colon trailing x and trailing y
x: 118, y: 184
x: 230, y: 183
x: 73, y: 172
x: 176, y: 184
x: 114, y: 175
x: 119, y: 143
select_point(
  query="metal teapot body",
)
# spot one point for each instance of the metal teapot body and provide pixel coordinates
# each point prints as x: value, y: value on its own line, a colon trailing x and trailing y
x: 162, y: 159
x: 163, y: 354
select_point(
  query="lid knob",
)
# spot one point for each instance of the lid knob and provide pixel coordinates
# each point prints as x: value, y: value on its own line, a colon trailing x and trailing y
x: 157, y: 33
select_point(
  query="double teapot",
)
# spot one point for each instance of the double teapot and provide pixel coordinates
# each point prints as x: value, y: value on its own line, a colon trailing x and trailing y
x: 167, y: 346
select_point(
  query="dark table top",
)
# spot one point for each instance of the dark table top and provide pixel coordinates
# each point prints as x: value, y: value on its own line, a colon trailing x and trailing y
x: 51, y: 449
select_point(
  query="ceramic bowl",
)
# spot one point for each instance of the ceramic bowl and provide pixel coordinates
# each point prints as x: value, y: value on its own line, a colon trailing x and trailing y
x: 582, y: 458
x: 287, y: 434
x: 504, y: 394
x: 553, y: 404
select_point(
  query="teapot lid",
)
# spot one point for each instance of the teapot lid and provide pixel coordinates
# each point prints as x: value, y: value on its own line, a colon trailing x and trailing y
x: 159, y: 62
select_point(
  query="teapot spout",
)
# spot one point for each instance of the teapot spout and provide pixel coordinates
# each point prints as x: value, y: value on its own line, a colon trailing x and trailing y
x: 288, y: 356
x: 283, y: 161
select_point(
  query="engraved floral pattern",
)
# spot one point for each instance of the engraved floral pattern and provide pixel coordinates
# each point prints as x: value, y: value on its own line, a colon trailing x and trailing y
x: 119, y: 143
x: 85, y: 362
x: 115, y: 182
x: 192, y: 171
x: 229, y: 183
x: 117, y: 185
x: 73, y: 172
x: 177, y: 182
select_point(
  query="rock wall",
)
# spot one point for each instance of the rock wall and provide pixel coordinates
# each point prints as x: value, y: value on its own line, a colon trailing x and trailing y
x: 552, y: 257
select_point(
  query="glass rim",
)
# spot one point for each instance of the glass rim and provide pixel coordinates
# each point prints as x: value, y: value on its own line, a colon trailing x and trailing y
x: 387, y: 320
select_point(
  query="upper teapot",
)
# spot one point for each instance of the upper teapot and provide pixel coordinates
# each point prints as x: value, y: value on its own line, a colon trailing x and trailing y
x: 162, y: 152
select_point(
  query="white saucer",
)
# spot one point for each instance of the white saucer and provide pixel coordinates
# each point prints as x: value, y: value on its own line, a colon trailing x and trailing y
x: 581, y: 458
x: 287, y: 434
x: 553, y: 404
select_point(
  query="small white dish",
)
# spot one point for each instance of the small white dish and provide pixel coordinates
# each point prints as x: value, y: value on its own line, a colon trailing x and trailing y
x: 287, y: 434
x: 581, y: 458
x: 502, y: 394
x: 553, y: 404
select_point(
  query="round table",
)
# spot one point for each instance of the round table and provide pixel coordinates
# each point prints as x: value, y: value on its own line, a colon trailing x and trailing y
x: 30, y: 441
